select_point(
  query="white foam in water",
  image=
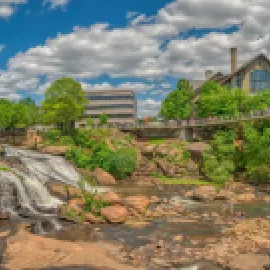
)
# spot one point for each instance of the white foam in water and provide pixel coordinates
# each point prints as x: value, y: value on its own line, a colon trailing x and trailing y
x: 30, y: 181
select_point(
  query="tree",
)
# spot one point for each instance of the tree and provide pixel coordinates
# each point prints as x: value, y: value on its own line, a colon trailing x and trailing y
x: 64, y: 103
x: 179, y: 103
x: 32, y: 112
x: 7, y: 109
x: 217, y: 100
x: 103, y: 119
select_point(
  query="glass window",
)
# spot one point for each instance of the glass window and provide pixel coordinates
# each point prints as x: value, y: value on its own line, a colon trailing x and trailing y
x: 259, y: 80
x: 114, y: 115
x: 110, y: 106
x: 124, y: 97
x: 239, y: 81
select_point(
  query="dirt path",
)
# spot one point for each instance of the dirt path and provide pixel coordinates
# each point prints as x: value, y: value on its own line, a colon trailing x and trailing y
x: 27, y: 251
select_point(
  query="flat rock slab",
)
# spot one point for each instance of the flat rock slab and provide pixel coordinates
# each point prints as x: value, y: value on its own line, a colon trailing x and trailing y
x: 249, y: 262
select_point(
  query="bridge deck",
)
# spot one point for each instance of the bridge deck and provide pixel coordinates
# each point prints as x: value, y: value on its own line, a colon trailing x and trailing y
x: 196, y: 122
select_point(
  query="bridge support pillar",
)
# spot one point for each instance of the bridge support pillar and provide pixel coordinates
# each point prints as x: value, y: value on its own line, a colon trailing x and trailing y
x: 186, y: 134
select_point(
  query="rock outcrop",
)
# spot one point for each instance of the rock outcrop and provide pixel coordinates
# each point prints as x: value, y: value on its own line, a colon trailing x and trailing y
x: 102, y: 177
x: 115, y: 213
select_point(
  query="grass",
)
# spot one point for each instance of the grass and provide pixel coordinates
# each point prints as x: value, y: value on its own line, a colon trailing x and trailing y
x: 4, y: 169
x: 175, y: 181
x: 157, y: 141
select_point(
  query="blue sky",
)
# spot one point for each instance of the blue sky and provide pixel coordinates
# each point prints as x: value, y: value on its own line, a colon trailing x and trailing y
x: 136, y: 44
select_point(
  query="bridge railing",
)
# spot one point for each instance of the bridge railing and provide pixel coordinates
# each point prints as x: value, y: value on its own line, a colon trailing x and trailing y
x: 191, y: 122
x: 203, y: 121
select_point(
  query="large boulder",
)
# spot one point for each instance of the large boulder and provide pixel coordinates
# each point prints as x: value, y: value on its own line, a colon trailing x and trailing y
x: 249, y: 262
x: 246, y: 197
x: 103, y: 178
x: 139, y: 203
x: 55, y: 150
x: 111, y: 198
x: 62, y: 190
x: 115, y: 213
x: 76, y: 205
x: 203, y: 193
x: 89, y: 217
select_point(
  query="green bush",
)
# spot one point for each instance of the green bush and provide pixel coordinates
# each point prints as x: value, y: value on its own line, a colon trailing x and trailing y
x: 217, y: 171
x: 219, y: 161
x: 122, y: 162
x: 52, y: 135
x: 66, y: 140
x: 257, y: 152
x: 93, y: 203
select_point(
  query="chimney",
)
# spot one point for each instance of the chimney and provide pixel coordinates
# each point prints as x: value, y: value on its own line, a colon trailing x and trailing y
x: 208, y: 74
x: 233, y: 59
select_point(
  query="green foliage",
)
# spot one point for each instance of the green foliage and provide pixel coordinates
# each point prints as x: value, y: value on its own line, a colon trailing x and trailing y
x: 122, y: 162
x: 216, y: 100
x: 89, y: 122
x: 257, y: 153
x: 103, y: 119
x: 64, y: 103
x: 179, y: 103
x: 93, y: 203
x: 218, y: 162
x: 18, y: 115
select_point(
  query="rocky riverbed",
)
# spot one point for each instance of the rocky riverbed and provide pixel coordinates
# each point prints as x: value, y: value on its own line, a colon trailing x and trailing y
x: 176, y: 231
x: 157, y: 227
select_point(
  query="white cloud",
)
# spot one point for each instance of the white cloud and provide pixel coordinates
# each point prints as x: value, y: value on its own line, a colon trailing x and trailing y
x: 148, y: 107
x: 7, y: 7
x: 137, y: 86
x: 56, y: 3
x: 139, y: 50
x: 166, y: 85
x: 131, y: 14
x: 2, y: 47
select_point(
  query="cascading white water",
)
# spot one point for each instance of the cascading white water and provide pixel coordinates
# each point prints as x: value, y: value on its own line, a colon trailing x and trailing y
x: 34, y: 197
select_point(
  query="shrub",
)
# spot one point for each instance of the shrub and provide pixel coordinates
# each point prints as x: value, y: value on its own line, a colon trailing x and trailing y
x: 219, y: 161
x: 93, y: 203
x: 52, y: 135
x: 66, y: 140
x: 122, y: 162
x: 217, y: 171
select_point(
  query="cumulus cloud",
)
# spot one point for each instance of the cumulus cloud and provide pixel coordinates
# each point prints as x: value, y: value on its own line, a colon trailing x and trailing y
x: 56, y: 3
x: 148, y: 107
x: 149, y: 47
x: 7, y: 7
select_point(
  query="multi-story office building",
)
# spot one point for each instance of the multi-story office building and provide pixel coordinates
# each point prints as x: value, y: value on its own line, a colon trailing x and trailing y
x: 119, y: 105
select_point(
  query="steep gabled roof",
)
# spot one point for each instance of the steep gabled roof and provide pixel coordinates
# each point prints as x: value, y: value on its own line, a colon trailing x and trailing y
x: 260, y: 56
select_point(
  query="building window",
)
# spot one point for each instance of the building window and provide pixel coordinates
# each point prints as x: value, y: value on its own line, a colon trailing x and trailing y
x: 239, y: 81
x: 123, y: 97
x: 259, y: 80
x: 111, y: 116
x: 110, y: 106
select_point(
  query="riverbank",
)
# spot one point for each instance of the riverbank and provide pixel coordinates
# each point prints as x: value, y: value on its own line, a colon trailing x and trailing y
x: 175, y: 232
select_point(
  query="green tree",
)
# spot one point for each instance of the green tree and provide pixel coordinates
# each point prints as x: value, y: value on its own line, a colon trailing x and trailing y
x: 64, y: 103
x: 7, y: 109
x: 32, y: 112
x: 103, y: 119
x: 216, y: 100
x: 257, y: 152
x: 179, y: 103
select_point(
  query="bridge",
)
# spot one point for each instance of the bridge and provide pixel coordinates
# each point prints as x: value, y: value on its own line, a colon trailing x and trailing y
x: 185, y: 129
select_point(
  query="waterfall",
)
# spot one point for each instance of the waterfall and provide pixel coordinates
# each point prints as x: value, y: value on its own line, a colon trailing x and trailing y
x: 29, y: 180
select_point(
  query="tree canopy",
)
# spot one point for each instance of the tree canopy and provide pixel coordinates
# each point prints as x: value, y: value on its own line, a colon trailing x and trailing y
x: 21, y: 114
x: 179, y: 103
x: 217, y: 100
x: 64, y: 103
